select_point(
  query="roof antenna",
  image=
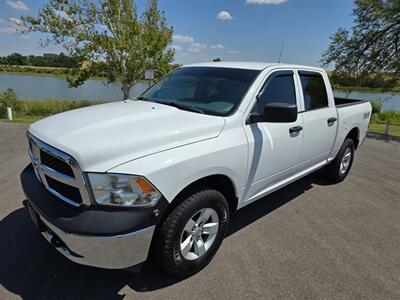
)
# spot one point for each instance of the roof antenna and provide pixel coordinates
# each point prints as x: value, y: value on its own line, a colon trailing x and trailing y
x: 280, y: 53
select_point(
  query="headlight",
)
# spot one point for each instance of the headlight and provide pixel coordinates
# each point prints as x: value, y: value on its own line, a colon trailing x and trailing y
x: 123, y: 190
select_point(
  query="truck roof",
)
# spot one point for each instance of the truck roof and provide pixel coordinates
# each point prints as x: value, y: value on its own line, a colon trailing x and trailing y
x: 248, y: 65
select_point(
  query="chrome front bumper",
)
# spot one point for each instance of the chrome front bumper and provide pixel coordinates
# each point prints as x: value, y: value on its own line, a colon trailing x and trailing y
x: 109, y: 252
x: 94, y: 236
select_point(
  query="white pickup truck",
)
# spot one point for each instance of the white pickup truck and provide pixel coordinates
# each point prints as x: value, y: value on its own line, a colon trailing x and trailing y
x: 163, y: 173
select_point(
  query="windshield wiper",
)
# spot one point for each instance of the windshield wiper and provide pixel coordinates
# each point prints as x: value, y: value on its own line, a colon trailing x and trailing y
x: 182, y: 106
x: 143, y: 98
x: 174, y: 104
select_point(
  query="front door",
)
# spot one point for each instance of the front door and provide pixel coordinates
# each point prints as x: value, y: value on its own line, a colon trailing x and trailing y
x: 274, y: 148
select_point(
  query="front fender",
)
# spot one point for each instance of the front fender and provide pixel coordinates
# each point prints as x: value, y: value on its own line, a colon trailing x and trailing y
x: 173, y: 170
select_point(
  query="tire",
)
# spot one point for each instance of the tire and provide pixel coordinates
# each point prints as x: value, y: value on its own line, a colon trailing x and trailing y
x: 336, y: 171
x: 177, y: 244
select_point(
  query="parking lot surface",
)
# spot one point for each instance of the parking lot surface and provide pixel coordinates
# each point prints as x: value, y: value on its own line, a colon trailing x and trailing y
x: 312, y: 239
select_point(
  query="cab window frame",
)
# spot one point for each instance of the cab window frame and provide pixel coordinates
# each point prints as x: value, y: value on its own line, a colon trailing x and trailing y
x: 310, y: 73
x: 271, y: 76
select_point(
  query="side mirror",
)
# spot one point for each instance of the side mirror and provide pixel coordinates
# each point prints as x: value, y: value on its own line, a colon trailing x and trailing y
x: 276, y: 113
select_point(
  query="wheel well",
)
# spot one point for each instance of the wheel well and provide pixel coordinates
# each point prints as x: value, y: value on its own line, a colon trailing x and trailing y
x: 221, y: 183
x: 354, y: 135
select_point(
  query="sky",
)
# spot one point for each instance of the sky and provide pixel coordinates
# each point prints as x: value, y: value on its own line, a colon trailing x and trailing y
x: 245, y: 30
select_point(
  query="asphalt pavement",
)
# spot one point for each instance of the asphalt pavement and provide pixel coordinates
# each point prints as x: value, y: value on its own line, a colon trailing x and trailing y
x: 312, y: 239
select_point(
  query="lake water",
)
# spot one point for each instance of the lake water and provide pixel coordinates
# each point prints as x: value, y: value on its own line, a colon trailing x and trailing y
x: 54, y: 87
x: 44, y: 87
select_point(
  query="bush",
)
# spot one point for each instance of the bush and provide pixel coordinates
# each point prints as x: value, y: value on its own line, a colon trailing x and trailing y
x: 376, y: 106
x: 391, y: 116
x: 8, y: 98
x: 41, y: 108
x: 49, y: 107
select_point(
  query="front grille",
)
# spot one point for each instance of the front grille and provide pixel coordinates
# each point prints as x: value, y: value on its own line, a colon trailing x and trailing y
x: 59, y: 172
x: 55, y: 164
x: 64, y: 190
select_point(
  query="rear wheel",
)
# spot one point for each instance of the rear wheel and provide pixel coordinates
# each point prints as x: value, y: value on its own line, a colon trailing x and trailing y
x: 340, y: 167
x: 191, y: 234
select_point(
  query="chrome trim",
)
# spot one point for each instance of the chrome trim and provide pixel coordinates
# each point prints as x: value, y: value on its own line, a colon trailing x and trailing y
x: 127, y: 250
x: 78, y: 181
x: 58, y: 176
x: 58, y: 195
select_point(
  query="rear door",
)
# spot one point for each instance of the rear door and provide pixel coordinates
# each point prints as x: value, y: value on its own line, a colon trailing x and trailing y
x: 319, y: 117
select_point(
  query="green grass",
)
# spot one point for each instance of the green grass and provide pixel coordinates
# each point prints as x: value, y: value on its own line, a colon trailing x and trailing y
x: 28, y: 73
x: 29, y: 111
x: 365, y: 89
x: 40, y: 71
x: 46, y: 75
x: 24, y: 119
x: 380, y: 128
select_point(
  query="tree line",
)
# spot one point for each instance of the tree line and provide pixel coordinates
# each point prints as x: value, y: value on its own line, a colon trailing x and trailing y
x: 46, y: 60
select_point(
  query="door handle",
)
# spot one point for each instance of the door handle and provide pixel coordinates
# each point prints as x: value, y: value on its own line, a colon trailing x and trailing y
x: 332, y: 120
x: 295, y: 129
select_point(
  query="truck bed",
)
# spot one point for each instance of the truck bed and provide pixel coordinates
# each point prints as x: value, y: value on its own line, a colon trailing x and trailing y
x: 341, y: 102
x: 351, y: 113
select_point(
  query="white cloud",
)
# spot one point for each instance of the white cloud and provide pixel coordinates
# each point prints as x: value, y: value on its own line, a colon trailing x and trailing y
x: 224, y: 15
x: 197, y: 47
x: 13, y: 25
x: 8, y: 30
x: 180, y: 38
x: 265, y: 1
x: 14, y: 21
x: 19, y: 5
x: 217, y: 47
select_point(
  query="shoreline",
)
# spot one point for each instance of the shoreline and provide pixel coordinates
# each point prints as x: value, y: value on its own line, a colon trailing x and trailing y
x: 343, y: 89
x: 365, y: 89
x: 26, y: 73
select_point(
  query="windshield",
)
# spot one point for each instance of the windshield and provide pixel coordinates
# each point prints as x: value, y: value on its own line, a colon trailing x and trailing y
x: 209, y: 90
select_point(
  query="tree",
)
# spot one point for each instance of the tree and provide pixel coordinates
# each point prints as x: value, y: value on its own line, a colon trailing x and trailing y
x: 107, y: 38
x: 17, y: 59
x: 374, y: 41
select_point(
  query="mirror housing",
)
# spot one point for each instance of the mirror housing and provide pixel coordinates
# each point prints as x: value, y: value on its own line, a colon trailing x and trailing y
x: 276, y: 113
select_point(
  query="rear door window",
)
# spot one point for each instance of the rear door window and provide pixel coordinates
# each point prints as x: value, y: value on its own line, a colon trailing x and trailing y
x: 314, y: 90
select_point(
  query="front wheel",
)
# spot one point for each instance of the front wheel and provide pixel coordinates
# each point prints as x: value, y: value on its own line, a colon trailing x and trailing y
x: 191, y: 234
x: 338, y: 169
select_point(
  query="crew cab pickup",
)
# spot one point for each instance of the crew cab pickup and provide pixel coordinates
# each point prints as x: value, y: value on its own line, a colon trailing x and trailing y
x: 163, y: 173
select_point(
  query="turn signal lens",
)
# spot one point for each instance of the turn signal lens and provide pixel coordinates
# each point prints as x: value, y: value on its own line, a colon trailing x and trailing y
x: 145, y: 185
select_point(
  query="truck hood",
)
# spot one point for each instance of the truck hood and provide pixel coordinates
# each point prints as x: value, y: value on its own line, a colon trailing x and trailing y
x: 103, y: 136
